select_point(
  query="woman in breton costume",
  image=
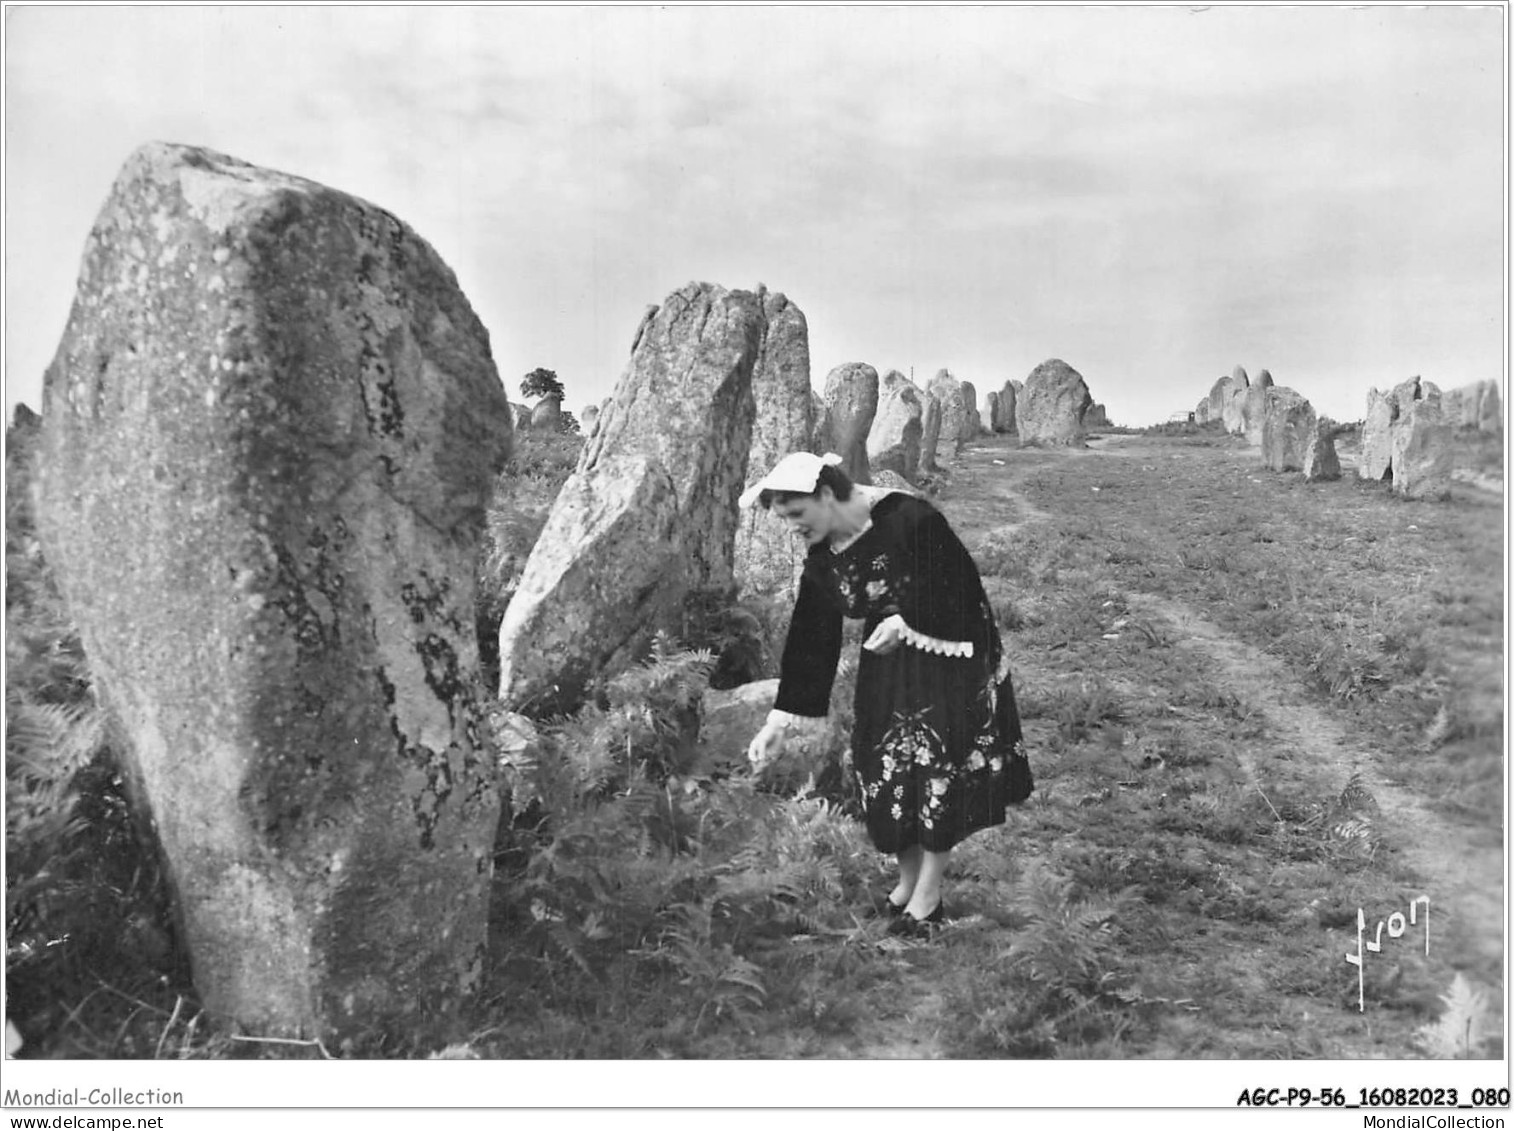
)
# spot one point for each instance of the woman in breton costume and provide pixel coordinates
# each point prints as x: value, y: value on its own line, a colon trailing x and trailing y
x: 936, y: 747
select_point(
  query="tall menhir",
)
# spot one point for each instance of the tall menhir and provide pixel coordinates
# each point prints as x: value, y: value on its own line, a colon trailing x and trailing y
x: 269, y: 433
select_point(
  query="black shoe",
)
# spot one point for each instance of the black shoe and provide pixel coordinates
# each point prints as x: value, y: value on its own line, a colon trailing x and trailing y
x: 907, y: 926
x: 891, y: 910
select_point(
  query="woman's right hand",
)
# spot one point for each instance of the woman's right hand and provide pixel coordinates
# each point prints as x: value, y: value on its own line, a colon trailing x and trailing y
x: 765, y: 747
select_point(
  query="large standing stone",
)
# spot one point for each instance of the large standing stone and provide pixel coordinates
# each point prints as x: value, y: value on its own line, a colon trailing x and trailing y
x: 1321, y: 463
x: 1422, y: 451
x: 270, y: 433
x: 893, y: 443
x: 685, y: 405
x: 851, y: 402
x: 1264, y: 379
x: 1054, y: 404
x: 1288, y: 428
x: 954, y: 421
x: 769, y: 558
x: 605, y: 575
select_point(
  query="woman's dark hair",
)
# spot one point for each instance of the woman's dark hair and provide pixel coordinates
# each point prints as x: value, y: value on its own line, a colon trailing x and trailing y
x: 830, y: 476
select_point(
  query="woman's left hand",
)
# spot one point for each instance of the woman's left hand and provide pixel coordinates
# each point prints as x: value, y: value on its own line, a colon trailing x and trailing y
x: 887, y: 636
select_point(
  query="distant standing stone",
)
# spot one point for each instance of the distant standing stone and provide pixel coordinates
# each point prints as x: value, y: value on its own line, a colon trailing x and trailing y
x: 547, y: 415
x: 954, y: 420
x: 1321, y: 463
x: 972, y: 423
x: 1477, y: 405
x: 893, y: 442
x: 1005, y: 420
x: 1288, y: 428
x: 930, y: 432
x: 1406, y: 438
x: 1376, y: 458
x: 851, y: 402
x: 1212, y: 407
x: 1254, y: 412
x: 1054, y: 405
x: 1422, y: 452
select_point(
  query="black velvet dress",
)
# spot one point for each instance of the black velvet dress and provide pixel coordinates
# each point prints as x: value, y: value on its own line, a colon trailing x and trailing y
x: 936, y: 745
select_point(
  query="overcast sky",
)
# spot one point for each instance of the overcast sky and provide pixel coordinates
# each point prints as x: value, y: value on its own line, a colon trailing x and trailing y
x: 1154, y: 195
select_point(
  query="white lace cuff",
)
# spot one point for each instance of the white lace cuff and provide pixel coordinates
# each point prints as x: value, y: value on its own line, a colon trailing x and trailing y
x: 962, y: 648
x: 786, y: 719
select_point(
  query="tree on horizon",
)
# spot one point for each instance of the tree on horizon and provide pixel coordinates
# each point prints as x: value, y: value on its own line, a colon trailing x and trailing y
x: 542, y: 383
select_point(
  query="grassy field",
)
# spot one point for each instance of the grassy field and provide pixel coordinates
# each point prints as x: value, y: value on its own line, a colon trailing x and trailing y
x: 1254, y: 707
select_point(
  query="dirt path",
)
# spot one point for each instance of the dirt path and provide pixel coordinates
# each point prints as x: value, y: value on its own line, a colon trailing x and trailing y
x: 1464, y: 882
x: 1300, y: 738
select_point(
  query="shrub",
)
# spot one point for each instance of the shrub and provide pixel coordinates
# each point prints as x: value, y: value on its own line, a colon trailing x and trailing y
x: 86, y: 900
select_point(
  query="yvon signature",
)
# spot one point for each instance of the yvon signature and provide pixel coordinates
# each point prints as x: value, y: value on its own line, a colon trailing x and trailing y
x: 1396, y: 928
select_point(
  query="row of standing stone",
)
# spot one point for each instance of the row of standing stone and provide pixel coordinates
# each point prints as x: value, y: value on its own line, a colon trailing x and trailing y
x: 893, y: 427
x: 1406, y: 437
x: 717, y: 389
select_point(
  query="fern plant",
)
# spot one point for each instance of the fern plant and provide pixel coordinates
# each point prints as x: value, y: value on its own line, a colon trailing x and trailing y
x: 1066, y: 945
x: 594, y: 798
x: 1465, y: 1028
x: 722, y: 982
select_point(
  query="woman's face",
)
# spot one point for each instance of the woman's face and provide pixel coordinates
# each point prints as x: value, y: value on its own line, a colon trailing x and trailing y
x: 809, y: 517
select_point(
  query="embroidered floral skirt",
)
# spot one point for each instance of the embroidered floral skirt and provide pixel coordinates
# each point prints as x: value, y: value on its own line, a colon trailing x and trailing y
x: 936, y: 748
